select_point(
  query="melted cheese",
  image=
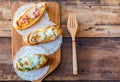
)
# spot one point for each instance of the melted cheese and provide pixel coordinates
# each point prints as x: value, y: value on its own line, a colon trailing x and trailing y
x: 30, y: 14
x: 33, y: 61
x: 49, y: 32
x: 53, y: 37
x: 38, y: 36
x: 42, y: 36
x: 55, y: 31
x: 40, y: 5
x: 34, y: 13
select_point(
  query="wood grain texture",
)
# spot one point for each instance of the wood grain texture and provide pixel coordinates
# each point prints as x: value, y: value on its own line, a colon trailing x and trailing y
x: 110, y: 2
x: 98, y: 58
x: 17, y: 40
x: 90, y: 13
x: 5, y: 18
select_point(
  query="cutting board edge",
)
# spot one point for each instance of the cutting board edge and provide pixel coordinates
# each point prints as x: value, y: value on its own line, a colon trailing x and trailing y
x: 58, y: 24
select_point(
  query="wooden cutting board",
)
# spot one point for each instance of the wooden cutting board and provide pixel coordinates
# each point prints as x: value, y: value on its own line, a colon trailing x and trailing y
x: 17, y: 41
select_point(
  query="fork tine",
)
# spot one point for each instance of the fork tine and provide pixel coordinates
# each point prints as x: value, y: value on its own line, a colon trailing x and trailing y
x: 76, y: 23
x: 74, y: 20
x: 70, y: 20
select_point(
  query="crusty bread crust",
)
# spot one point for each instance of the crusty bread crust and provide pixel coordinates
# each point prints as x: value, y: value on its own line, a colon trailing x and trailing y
x: 17, y: 27
x: 47, y: 39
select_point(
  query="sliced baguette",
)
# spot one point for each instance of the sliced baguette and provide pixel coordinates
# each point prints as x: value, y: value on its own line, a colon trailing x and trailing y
x: 47, y: 34
x: 22, y: 66
x: 21, y: 26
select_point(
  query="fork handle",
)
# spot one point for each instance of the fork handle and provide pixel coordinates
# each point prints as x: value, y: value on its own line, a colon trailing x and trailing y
x: 75, y: 69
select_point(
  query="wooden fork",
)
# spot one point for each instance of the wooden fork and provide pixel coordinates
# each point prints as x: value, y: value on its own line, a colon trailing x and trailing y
x: 72, y: 26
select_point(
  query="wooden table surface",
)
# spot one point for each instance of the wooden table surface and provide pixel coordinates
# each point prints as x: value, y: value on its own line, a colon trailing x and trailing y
x: 98, y: 42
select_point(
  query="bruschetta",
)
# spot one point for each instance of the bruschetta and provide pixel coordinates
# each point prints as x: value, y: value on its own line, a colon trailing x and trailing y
x: 31, y: 62
x: 44, y: 35
x: 29, y: 17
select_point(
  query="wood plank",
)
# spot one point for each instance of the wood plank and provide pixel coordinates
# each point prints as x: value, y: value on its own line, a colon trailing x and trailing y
x: 110, y: 2
x: 5, y: 18
x: 17, y: 41
x: 95, y: 31
x: 99, y: 60
x: 98, y: 16
x: 94, y: 16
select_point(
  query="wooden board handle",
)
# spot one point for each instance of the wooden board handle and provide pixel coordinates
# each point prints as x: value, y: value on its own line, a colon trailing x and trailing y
x: 75, y: 69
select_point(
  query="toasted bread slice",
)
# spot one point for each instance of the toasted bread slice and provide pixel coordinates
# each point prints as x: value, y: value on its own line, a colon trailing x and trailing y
x: 44, y: 35
x: 29, y: 17
x: 32, y: 62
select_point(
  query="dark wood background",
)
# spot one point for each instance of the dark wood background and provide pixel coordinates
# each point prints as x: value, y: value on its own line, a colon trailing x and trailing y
x: 98, y: 57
